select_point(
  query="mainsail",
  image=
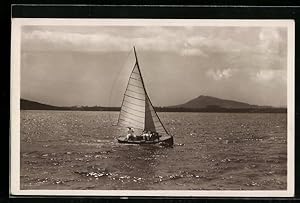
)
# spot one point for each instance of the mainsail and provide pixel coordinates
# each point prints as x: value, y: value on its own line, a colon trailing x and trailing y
x: 137, y: 110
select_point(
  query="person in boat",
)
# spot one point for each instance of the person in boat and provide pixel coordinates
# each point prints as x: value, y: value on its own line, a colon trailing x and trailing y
x: 151, y: 135
x: 147, y: 135
x: 155, y: 136
x: 144, y: 135
x: 130, y: 134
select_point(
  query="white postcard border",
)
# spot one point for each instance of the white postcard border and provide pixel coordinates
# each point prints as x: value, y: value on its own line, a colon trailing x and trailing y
x: 17, y: 24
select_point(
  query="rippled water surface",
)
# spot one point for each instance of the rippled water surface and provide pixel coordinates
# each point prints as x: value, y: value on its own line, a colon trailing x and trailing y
x: 213, y: 151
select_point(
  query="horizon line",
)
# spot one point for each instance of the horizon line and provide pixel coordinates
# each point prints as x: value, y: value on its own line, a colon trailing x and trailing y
x: 159, y: 106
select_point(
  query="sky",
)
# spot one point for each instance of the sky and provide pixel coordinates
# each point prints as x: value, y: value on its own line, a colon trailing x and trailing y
x: 90, y: 65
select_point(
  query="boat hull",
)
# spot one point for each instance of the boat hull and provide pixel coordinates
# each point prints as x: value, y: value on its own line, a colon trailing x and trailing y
x: 165, y: 141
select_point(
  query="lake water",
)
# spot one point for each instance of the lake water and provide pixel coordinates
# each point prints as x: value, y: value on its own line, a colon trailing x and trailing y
x: 213, y: 151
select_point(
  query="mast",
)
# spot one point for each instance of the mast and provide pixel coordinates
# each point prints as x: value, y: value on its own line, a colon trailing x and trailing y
x: 137, y: 63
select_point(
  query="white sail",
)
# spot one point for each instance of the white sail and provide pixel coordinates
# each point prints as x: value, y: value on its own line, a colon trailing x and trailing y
x: 137, y: 110
x: 133, y: 106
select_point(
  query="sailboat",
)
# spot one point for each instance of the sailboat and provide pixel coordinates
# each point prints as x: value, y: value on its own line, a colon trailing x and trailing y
x: 138, y: 113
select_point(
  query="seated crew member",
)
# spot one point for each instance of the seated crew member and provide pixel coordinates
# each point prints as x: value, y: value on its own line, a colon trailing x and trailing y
x: 156, y: 136
x: 134, y: 135
x: 147, y: 135
x: 150, y: 135
x: 153, y: 136
x: 130, y: 133
x: 144, y: 134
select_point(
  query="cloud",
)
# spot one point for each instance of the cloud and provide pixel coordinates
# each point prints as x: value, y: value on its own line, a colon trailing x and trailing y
x: 265, y: 75
x: 245, y: 49
x: 192, y: 52
x: 51, y: 40
x: 270, y: 75
x: 270, y: 40
x: 220, y: 74
x: 157, y: 39
x: 216, y: 44
x: 222, y: 61
x: 198, y: 41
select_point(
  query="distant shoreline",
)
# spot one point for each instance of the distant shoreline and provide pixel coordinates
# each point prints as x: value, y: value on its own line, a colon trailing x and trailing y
x: 159, y: 109
x: 31, y: 105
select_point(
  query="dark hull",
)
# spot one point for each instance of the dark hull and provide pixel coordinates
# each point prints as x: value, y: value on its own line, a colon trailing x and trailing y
x: 166, y: 141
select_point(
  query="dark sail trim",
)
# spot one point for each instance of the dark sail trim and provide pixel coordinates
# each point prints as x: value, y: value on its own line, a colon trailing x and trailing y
x: 133, y: 114
x: 135, y: 79
x: 135, y: 92
x: 135, y: 85
x: 135, y: 73
x: 133, y: 109
x: 133, y: 103
x: 132, y: 119
x: 134, y: 97
x: 129, y: 123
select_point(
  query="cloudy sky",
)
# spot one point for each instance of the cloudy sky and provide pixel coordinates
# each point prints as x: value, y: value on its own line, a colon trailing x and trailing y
x: 90, y: 65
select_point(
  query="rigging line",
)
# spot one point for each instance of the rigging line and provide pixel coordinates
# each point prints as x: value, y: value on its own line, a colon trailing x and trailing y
x: 134, y: 97
x: 133, y: 109
x: 138, y: 67
x: 159, y: 126
x: 132, y: 114
x: 129, y: 52
x: 131, y: 119
x: 133, y: 103
x: 114, y: 83
x: 149, y: 110
x: 157, y: 115
x: 156, y: 121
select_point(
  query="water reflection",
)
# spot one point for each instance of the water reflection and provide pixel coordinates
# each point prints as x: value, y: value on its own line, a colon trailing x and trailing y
x: 136, y: 164
x: 220, y: 151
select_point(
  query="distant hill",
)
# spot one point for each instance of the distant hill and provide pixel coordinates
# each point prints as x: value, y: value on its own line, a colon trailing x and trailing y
x: 208, y: 102
x: 32, y: 105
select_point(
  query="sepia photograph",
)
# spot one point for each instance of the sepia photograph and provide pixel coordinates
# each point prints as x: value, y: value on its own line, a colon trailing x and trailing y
x: 144, y: 107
